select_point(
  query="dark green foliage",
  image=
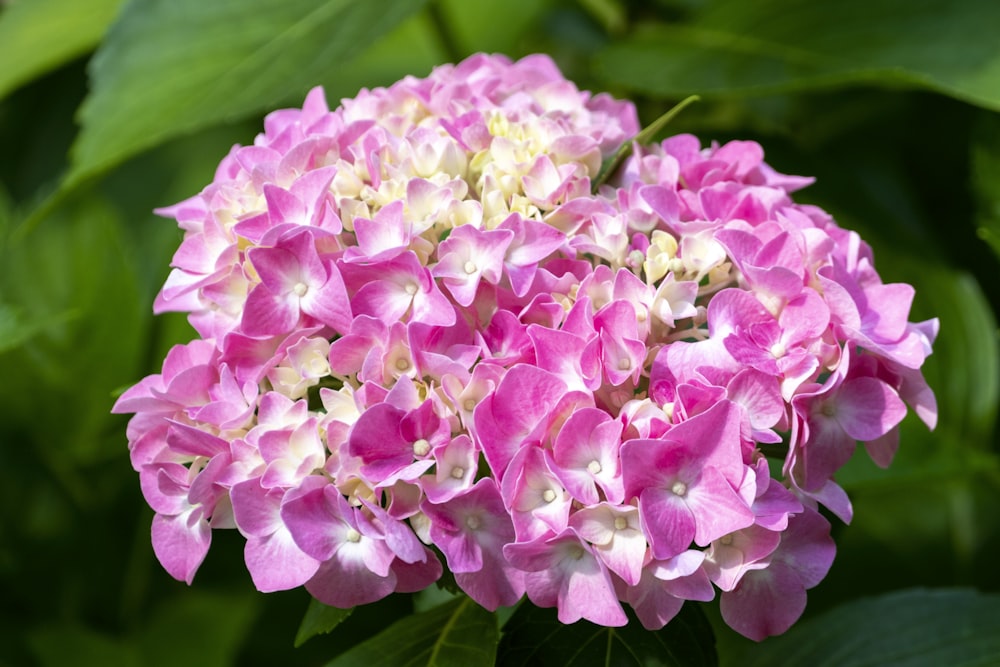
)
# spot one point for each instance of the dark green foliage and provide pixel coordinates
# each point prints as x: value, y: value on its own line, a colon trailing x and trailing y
x: 109, y: 109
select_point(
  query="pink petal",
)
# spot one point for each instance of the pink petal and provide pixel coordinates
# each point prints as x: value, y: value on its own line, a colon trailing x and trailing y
x: 181, y: 542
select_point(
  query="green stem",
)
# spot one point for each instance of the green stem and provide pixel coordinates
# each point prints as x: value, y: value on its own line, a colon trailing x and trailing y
x: 645, y: 136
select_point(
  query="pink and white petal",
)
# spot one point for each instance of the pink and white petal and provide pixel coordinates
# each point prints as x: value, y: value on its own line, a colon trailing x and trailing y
x: 268, y: 313
x: 181, y: 542
x: 717, y: 508
x: 276, y: 563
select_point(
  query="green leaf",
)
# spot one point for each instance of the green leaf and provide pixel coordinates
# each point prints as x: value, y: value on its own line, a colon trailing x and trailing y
x: 16, y: 330
x: 769, y: 46
x: 197, y: 628
x: 534, y: 636
x: 75, y: 279
x: 319, y: 619
x: 458, y: 633
x: 985, y: 172
x: 171, y: 67
x: 916, y: 628
x: 37, y: 36
x: 645, y: 136
x: 489, y: 26
x: 193, y: 628
x: 412, y: 47
x: 59, y: 645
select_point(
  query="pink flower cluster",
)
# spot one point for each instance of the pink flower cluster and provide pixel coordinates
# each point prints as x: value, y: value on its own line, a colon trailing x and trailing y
x: 423, y: 337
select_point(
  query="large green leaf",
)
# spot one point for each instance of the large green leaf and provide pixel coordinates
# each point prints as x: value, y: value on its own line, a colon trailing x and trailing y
x: 194, y: 628
x: 39, y: 35
x: 58, y: 645
x: 917, y: 628
x: 197, y: 628
x: 732, y: 46
x: 459, y: 633
x: 16, y: 329
x: 534, y: 636
x: 319, y: 619
x: 76, y: 280
x: 986, y: 178
x: 172, y: 66
x: 488, y: 25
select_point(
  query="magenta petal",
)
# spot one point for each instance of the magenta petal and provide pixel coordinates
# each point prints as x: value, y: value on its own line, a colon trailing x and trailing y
x: 276, y: 563
x: 181, y: 542
x: 418, y: 575
x: 377, y: 441
x: 717, y: 508
x: 563, y: 572
x: 267, y: 313
x: 807, y: 547
x: 524, y: 400
x: 471, y: 529
x: 868, y: 408
x: 318, y: 519
x: 765, y: 603
x: 329, y: 302
x: 498, y: 586
x: 347, y: 582
x: 256, y: 510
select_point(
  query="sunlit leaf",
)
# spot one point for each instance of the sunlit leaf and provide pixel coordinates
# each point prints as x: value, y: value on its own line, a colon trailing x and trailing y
x: 781, y: 45
x: 459, y: 633
x: 167, y: 68
x: 319, y: 619
x: 534, y: 636
x: 412, y: 47
x: 39, y: 35
x: 917, y: 628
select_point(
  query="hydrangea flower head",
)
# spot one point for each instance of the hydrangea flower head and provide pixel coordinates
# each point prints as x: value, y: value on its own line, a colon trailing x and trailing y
x: 424, y: 331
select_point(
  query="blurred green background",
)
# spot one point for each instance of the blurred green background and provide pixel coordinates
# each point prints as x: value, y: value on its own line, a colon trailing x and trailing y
x: 109, y: 108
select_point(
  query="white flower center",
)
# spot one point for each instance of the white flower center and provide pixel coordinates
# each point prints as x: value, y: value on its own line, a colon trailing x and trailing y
x: 679, y: 488
x: 411, y: 288
x: 470, y: 267
x: 353, y: 535
x: 621, y: 523
x: 594, y: 467
x: 472, y: 522
x: 458, y: 472
x: 421, y: 447
x: 300, y: 289
x: 548, y: 495
x: 624, y: 364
